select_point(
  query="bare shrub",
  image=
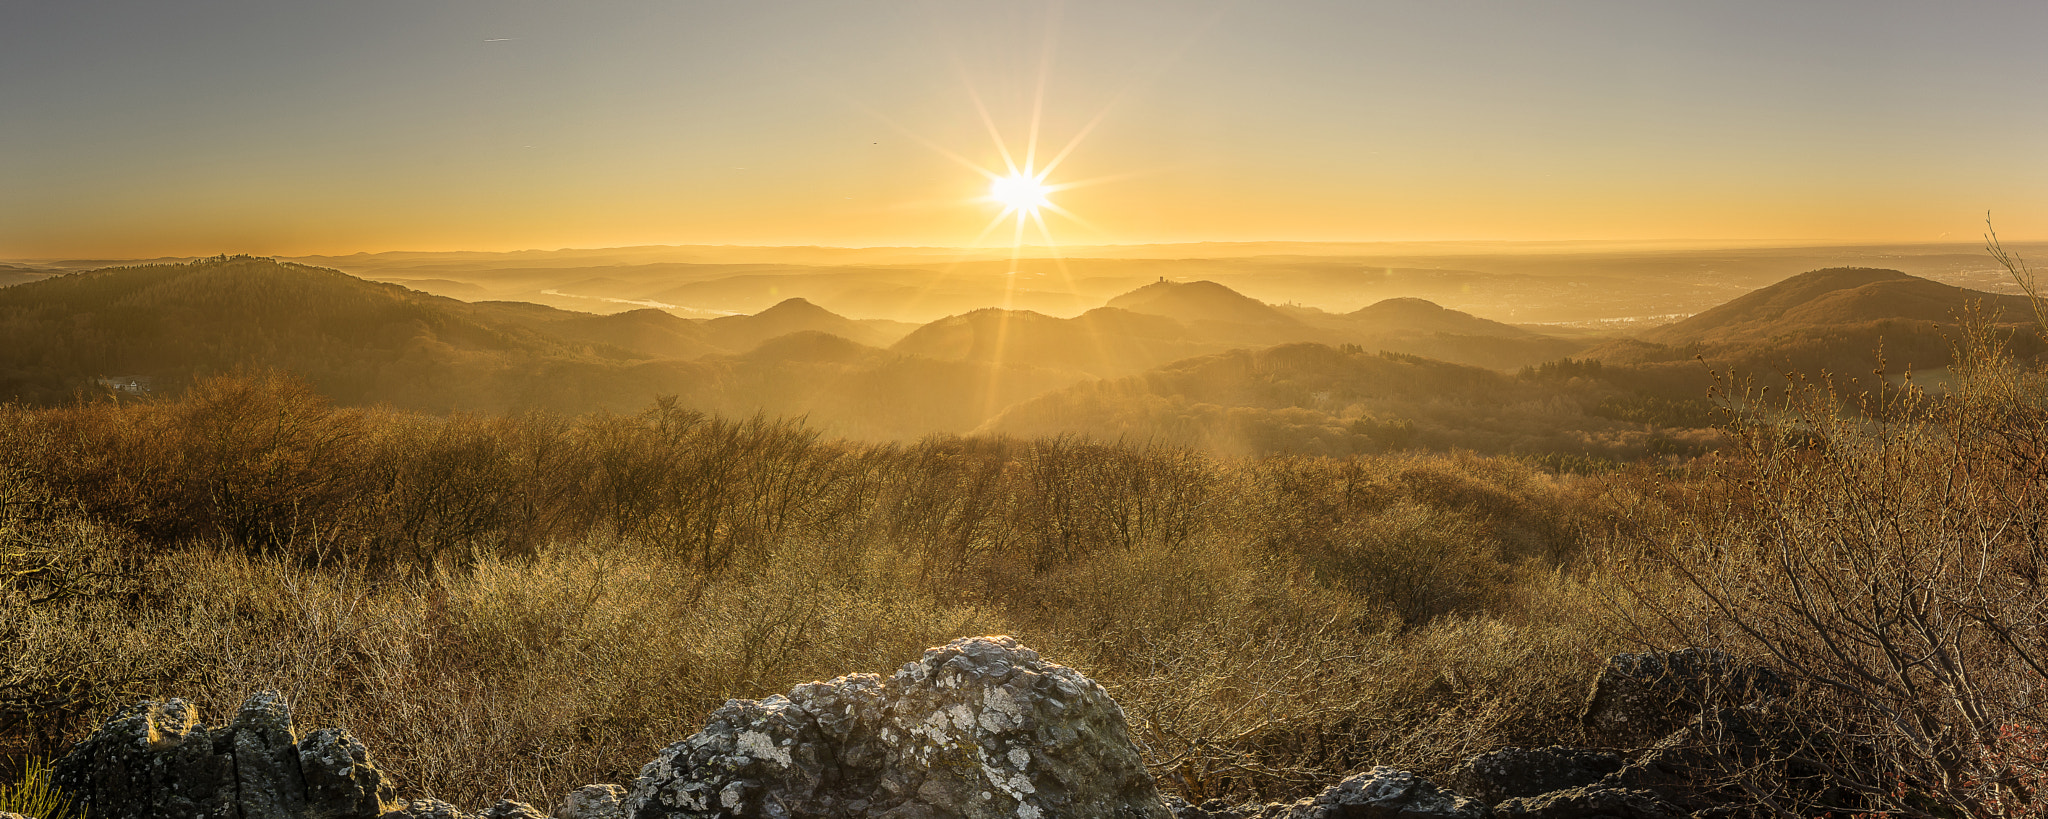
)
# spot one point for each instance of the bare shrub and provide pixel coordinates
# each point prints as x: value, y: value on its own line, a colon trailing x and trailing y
x: 1886, y: 546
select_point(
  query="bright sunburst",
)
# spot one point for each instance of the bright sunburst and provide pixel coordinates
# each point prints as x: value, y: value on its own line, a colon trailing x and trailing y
x: 1020, y: 192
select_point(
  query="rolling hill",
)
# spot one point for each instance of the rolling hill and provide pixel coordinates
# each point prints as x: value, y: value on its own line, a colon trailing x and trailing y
x: 1832, y: 297
x: 644, y: 334
x: 1200, y: 301
x: 741, y: 333
x: 365, y: 343
x: 1844, y: 322
x: 1101, y: 342
x: 1194, y: 361
x: 357, y: 341
x: 1166, y: 321
x: 1321, y: 400
x: 1411, y: 316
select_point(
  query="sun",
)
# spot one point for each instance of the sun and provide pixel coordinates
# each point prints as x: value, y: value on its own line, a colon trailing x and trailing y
x: 1020, y: 192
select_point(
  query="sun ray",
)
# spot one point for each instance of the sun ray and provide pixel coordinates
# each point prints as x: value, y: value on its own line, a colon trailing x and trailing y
x: 994, y: 132
x: 1059, y: 258
x: 1052, y: 27
x: 1080, y: 135
x: 1096, y: 180
x: 1071, y: 216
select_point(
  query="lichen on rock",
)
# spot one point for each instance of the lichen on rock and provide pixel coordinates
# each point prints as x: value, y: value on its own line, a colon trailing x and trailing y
x: 978, y: 728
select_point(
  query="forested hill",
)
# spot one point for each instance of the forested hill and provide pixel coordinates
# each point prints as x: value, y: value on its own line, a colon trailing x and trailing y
x: 1199, y: 301
x: 1840, y: 320
x: 362, y: 343
x: 1836, y: 296
x: 1318, y: 399
x: 352, y: 338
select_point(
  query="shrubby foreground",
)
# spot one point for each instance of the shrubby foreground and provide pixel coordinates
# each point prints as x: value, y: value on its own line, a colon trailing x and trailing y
x: 514, y: 607
x: 511, y: 607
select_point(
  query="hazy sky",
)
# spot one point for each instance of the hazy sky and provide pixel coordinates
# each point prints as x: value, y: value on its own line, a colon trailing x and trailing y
x: 142, y: 127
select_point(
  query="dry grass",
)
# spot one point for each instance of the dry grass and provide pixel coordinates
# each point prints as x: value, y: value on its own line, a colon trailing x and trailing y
x: 1267, y: 624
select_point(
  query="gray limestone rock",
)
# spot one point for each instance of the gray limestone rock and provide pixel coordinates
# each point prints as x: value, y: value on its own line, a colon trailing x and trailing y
x: 267, y: 774
x: 1511, y: 772
x: 341, y: 782
x: 155, y: 760
x: 1388, y: 793
x: 979, y: 728
x: 594, y: 802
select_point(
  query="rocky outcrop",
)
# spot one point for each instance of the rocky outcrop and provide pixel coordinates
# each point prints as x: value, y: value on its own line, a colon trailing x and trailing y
x: 155, y: 760
x: 979, y: 728
x: 1507, y: 773
x: 594, y: 802
x: 1590, y: 803
x: 1388, y: 793
x: 508, y: 809
x: 1682, y: 721
x: 1640, y: 698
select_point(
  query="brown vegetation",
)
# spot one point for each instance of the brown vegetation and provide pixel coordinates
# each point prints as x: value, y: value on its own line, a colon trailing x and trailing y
x: 516, y: 606
x: 513, y: 605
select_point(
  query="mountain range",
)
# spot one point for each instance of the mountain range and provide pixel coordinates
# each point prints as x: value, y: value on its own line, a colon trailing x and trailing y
x: 1174, y: 358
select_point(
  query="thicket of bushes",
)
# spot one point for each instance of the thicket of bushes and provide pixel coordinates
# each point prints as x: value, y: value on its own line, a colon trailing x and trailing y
x: 516, y: 606
x: 1885, y: 547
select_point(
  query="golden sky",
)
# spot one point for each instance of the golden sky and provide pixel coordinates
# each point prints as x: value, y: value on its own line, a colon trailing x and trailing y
x: 136, y: 128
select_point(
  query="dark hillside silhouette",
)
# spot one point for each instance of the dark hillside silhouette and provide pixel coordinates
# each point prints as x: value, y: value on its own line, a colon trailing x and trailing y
x: 1102, y: 342
x: 1834, y: 320
x: 1411, y: 316
x: 355, y: 340
x: 1834, y: 296
x: 364, y: 343
x: 646, y: 333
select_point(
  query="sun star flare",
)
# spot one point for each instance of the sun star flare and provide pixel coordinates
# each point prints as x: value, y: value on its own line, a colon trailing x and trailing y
x: 1020, y: 192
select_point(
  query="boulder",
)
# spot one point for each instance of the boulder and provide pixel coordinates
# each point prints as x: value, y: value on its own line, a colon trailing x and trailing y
x: 979, y: 728
x: 1640, y: 698
x: 594, y: 802
x: 155, y: 760
x: 1387, y: 793
x: 338, y: 777
x: 1511, y: 772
